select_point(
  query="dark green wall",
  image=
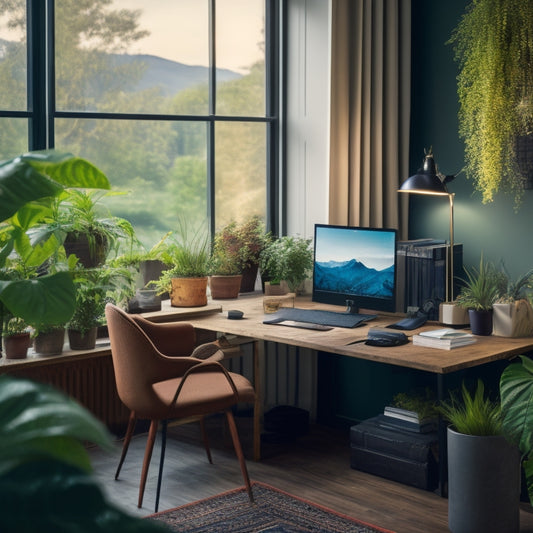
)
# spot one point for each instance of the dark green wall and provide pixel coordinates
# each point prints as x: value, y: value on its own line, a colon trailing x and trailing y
x: 495, y: 230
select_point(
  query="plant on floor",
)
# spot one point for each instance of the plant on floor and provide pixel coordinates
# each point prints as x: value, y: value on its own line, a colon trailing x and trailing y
x: 516, y: 391
x: 473, y: 414
x: 494, y: 50
x: 45, y: 471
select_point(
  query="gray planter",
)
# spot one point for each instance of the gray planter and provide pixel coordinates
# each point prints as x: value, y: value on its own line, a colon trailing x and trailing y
x: 483, y: 484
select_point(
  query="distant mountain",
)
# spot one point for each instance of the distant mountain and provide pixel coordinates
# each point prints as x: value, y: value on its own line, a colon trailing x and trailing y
x: 171, y: 76
x: 353, y: 277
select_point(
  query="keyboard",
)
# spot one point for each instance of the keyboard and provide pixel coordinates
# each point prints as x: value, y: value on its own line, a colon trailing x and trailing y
x: 318, y: 316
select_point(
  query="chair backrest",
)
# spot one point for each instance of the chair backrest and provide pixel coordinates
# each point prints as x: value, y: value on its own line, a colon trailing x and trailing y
x: 137, y: 362
x: 176, y: 339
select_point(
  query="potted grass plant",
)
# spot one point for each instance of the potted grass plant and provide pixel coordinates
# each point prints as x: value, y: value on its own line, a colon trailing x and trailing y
x: 186, y: 280
x: 483, y: 466
x: 16, y: 334
x: 478, y: 294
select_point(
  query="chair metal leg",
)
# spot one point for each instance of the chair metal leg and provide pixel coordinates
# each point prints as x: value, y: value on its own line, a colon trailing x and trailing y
x: 240, y: 455
x: 206, y: 440
x: 147, y: 456
x: 161, y: 461
x: 127, y: 439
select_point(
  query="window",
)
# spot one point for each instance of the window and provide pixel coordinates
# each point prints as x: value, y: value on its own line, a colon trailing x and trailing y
x: 175, y: 101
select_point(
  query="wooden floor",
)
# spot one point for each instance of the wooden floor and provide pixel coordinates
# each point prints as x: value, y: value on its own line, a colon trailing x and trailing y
x: 315, y: 467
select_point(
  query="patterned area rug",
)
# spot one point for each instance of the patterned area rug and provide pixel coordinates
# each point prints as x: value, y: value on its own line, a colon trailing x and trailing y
x: 274, y: 511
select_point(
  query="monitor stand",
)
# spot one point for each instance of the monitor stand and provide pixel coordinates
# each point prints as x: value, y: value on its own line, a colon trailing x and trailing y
x: 351, y: 308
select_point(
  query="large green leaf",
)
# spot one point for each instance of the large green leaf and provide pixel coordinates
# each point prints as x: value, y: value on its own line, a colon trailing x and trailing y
x: 47, y: 299
x: 516, y: 391
x: 50, y: 496
x: 43, y: 174
x: 20, y: 183
x: 38, y: 422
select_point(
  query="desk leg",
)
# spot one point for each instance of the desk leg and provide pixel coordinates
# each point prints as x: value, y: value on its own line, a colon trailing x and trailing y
x: 257, y: 403
x: 443, y: 443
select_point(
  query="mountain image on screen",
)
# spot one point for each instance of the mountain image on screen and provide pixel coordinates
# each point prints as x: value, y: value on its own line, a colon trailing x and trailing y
x: 353, y: 277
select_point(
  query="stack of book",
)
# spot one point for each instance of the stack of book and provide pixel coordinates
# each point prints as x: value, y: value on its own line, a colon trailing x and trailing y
x: 444, y: 338
x: 396, y: 417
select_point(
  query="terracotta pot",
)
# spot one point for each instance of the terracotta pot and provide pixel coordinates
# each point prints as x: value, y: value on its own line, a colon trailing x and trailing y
x: 188, y: 292
x: 16, y: 346
x: 82, y: 341
x: 225, y: 287
x: 50, y: 343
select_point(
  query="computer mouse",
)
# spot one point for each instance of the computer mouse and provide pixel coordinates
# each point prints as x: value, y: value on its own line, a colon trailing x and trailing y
x: 234, y: 314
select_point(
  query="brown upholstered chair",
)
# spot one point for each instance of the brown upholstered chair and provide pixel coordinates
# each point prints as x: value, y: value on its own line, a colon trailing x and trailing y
x: 161, y: 376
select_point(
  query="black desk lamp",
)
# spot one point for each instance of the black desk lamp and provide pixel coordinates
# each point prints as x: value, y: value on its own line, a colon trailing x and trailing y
x: 428, y: 180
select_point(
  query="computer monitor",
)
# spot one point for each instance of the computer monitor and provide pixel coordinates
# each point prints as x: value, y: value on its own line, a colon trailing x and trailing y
x: 355, y: 267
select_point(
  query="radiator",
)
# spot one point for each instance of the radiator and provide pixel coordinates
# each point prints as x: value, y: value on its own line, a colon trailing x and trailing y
x: 90, y: 381
x: 288, y: 375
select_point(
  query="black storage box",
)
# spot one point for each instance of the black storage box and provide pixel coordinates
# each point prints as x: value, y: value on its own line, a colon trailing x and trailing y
x: 400, y: 455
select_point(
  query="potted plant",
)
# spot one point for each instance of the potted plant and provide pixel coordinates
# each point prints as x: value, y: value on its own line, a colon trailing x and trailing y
x: 288, y: 259
x: 245, y: 241
x: 48, y: 339
x: 28, y: 185
x: 16, y: 334
x: 224, y: 268
x: 186, y: 280
x: 478, y: 294
x: 495, y: 85
x: 483, y: 466
x: 513, y: 314
x: 85, y: 227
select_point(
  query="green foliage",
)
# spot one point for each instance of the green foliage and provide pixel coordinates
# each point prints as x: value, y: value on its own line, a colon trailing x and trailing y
x: 516, y: 391
x: 473, y: 415
x: 481, y: 287
x: 288, y: 259
x: 510, y: 290
x: 238, y: 246
x: 494, y: 49
x: 45, y: 467
x: 28, y: 185
x: 422, y: 403
x: 14, y: 326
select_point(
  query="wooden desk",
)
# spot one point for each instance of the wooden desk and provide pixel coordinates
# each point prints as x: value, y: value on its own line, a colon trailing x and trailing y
x: 340, y: 341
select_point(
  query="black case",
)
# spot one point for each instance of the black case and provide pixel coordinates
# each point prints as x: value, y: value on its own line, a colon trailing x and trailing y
x: 404, y: 456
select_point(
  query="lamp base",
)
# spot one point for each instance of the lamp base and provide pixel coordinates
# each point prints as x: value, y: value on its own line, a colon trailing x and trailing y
x: 451, y: 314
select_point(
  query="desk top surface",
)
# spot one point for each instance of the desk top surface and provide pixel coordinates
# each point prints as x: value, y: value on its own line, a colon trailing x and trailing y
x: 340, y: 340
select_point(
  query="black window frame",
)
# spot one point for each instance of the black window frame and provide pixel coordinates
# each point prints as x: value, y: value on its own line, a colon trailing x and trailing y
x: 42, y: 113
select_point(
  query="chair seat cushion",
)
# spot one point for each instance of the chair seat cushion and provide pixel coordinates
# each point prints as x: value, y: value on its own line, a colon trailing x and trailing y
x: 203, y: 393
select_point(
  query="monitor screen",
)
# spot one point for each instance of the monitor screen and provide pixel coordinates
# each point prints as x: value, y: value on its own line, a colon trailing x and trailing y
x: 355, y: 264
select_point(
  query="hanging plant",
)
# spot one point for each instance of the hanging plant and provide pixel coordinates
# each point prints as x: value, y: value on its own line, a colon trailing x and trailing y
x: 493, y: 46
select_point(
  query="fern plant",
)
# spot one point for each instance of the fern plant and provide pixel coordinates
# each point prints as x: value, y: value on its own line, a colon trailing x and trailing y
x: 493, y: 46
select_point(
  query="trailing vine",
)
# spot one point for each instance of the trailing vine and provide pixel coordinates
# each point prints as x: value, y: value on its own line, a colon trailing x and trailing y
x: 493, y: 46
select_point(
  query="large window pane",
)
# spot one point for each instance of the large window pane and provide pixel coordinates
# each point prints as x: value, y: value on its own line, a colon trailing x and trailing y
x: 162, y: 166
x: 13, y: 137
x: 13, y: 57
x: 240, y: 35
x: 135, y: 62
x: 240, y: 171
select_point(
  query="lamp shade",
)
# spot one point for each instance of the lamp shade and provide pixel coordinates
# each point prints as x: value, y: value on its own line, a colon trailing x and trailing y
x: 426, y: 180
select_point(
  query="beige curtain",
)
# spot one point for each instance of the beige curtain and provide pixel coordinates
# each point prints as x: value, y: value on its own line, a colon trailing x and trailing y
x: 370, y: 107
